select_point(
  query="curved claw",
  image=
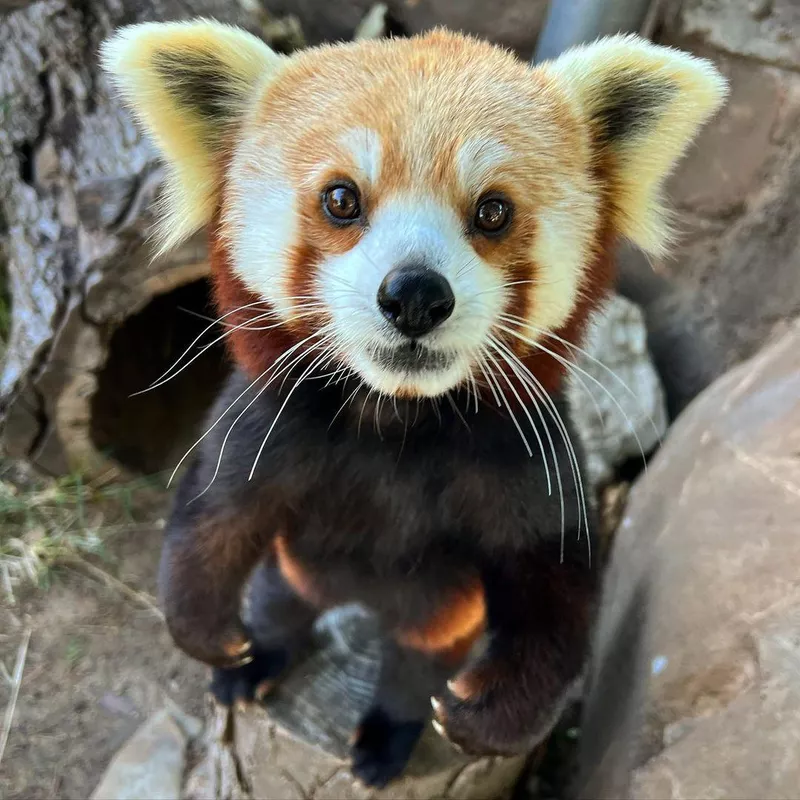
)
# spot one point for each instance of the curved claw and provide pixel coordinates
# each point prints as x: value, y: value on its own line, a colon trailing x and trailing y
x: 440, y: 729
x: 458, y: 688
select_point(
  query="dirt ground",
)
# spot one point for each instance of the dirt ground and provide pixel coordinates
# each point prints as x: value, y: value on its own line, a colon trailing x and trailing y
x: 98, y: 663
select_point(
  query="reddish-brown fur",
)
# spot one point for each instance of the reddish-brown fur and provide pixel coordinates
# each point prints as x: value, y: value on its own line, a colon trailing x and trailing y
x: 453, y: 628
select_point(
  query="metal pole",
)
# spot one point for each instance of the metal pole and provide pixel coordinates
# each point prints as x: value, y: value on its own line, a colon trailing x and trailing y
x: 573, y: 22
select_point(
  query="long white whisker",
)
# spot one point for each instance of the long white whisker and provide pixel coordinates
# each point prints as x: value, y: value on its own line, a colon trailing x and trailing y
x: 376, y: 415
x: 608, y: 370
x: 214, y: 425
x: 309, y: 369
x: 572, y: 366
x: 494, y: 344
x: 576, y: 349
x: 597, y: 410
x: 239, y: 397
x: 575, y: 466
x: 508, y: 285
x: 247, y: 325
x: 304, y: 310
x: 572, y: 455
x: 508, y: 406
x: 205, y: 317
x: 474, y: 384
x: 363, y: 406
x: 486, y: 374
x: 296, y: 360
x: 520, y: 371
x: 346, y: 402
x: 457, y: 410
x: 199, y: 337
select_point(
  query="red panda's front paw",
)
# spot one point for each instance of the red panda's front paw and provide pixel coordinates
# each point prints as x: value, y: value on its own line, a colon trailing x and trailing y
x: 222, y: 645
x: 251, y: 681
x: 480, y: 718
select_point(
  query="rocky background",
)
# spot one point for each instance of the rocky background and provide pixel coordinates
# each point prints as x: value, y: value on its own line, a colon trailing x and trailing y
x: 692, y: 691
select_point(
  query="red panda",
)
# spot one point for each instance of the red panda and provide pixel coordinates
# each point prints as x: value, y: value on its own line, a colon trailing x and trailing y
x: 408, y: 238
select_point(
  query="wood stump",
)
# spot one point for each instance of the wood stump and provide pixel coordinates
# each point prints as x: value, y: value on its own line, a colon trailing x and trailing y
x: 296, y: 746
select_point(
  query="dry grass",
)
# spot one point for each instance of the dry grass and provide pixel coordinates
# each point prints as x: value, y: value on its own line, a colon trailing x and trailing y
x: 64, y: 521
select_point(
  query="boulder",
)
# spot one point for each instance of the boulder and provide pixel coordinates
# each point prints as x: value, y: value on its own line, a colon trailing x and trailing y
x: 736, y: 192
x: 694, y: 685
x: 615, y: 393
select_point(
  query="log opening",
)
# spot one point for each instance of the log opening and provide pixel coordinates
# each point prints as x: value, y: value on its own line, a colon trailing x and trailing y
x: 149, y: 432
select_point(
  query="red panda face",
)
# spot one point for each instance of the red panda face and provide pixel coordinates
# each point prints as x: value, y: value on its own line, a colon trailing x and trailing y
x: 424, y: 209
x: 413, y: 209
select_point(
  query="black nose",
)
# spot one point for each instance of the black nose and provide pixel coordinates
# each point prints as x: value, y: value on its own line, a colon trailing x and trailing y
x: 415, y: 299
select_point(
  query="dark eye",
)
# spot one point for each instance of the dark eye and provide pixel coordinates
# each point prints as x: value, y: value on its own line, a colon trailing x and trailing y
x: 341, y: 203
x: 492, y: 215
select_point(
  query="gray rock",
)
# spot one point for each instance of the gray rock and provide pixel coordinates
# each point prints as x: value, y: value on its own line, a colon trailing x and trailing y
x: 736, y: 191
x: 762, y: 29
x: 151, y: 763
x: 616, y: 397
x: 694, y: 683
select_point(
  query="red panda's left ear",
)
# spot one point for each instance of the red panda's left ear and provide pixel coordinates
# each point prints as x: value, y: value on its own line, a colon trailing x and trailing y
x: 189, y: 84
x: 643, y: 104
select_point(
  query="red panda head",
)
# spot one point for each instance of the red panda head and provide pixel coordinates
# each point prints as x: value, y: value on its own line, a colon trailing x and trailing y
x: 420, y: 210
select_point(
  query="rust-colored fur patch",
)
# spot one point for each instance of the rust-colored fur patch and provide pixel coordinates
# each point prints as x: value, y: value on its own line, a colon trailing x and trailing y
x: 453, y: 628
x: 294, y: 573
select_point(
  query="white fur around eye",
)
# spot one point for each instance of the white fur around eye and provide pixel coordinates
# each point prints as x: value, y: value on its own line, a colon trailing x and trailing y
x: 477, y: 160
x: 364, y: 145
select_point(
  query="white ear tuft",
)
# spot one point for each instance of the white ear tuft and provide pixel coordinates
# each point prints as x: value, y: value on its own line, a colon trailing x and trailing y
x: 644, y: 104
x: 188, y: 84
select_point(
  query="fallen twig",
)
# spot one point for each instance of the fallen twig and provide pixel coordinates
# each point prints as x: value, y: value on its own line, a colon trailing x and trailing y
x: 141, y: 598
x: 8, y: 718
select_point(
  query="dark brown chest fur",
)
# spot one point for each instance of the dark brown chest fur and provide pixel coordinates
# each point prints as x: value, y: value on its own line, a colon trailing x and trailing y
x: 396, y: 509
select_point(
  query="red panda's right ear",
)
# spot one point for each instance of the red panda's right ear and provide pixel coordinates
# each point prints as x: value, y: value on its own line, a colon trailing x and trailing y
x: 189, y: 84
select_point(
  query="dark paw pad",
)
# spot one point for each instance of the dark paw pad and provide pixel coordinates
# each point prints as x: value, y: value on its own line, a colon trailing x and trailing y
x: 251, y: 681
x: 382, y: 748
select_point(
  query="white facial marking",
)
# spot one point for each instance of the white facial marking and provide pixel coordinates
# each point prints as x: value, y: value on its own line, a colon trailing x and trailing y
x: 411, y: 229
x: 364, y: 144
x: 561, y: 253
x: 262, y: 224
x: 477, y: 160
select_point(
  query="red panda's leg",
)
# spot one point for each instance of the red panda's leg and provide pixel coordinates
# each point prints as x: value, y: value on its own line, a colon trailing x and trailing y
x: 209, y: 552
x: 400, y: 708
x: 279, y: 622
x: 204, y: 568
x: 416, y: 663
x: 539, y: 617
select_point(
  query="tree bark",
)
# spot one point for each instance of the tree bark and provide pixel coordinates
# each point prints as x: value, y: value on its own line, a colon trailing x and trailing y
x: 77, y: 181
